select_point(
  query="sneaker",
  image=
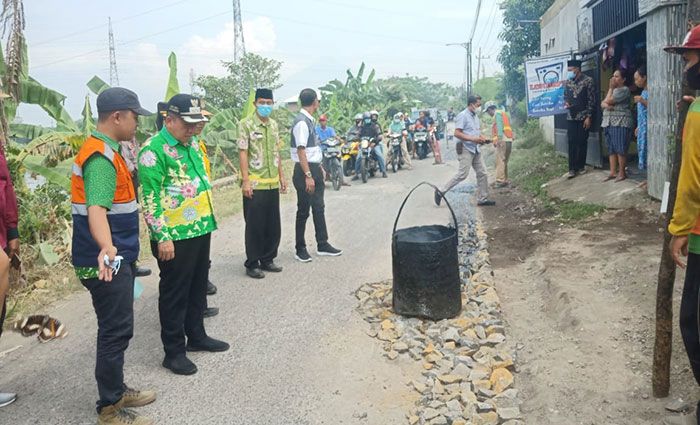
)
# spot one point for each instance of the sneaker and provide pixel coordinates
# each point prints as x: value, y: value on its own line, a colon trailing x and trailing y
x: 117, y: 414
x: 327, y: 250
x: 135, y: 398
x: 142, y: 271
x: 210, y: 312
x: 438, y: 198
x: 180, y: 365
x: 487, y: 203
x: 571, y: 175
x: 384, y: 175
x: 7, y: 399
x: 211, y: 288
x: 302, y: 255
x: 208, y: 344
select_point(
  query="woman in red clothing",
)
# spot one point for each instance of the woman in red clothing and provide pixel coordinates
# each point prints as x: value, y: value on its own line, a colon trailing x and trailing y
x: 9, y: 241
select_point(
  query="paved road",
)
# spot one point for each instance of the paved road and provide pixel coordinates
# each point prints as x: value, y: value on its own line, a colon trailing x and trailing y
x: 299, y: 353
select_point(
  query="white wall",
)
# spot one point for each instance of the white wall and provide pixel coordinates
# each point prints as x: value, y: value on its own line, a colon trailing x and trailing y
x: 558, y: 34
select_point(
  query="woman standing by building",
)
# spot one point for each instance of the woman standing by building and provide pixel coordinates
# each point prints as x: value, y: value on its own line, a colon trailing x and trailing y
x: 617, y: 122
x: 642, y: 101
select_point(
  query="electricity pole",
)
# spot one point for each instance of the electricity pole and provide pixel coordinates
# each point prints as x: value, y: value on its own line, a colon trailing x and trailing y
x: 113, y: 74
x: 478, y: 64
x: 466, y: 79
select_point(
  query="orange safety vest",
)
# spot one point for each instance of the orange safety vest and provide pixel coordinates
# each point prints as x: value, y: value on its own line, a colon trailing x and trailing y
x: 507, y: 129
x: 123, y: 217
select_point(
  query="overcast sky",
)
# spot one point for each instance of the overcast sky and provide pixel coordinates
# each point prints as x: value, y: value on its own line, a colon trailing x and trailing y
x: 317, y: 40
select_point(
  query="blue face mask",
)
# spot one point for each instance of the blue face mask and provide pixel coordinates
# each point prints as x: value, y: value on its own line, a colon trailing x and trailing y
x: 571, y: 75
x: 264, y: 110
x: 368, y: 121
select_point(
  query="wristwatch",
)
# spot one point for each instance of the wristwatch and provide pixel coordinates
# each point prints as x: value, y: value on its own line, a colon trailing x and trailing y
x: 308, y: 174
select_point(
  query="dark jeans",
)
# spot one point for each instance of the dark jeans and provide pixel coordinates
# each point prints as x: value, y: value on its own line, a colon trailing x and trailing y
x: 313, y: 202
x: 183, y: 293
x: 114, y: 306
x: 578, y: 145
x: 262, y: 227
x: 689, y: 314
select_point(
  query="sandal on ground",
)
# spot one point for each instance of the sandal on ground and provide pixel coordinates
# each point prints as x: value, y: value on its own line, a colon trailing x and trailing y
x: 608, y: 178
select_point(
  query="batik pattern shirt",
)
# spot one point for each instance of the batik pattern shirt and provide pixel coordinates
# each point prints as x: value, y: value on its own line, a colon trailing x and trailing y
x: 261, y: 140
x: 580, y: 94
x: 176, y: 191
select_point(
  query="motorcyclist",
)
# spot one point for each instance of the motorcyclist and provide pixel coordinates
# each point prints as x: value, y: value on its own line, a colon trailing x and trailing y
x: 375, y: 118
x: 429, y: 123
x: 323, y: 130
x: 354, y: 131
x: 398, y: 126
x: 371, y: 130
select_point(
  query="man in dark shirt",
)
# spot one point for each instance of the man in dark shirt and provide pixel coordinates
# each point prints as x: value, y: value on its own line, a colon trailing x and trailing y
x: 372, y: 130
x: 580, y: 101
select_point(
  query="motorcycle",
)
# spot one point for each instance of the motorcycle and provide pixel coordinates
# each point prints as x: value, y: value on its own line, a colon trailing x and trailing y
x: 369, y: 164
x: 395, y: 149
x: 350, y: 150
x: 332, y: 160
x: 421, y: 143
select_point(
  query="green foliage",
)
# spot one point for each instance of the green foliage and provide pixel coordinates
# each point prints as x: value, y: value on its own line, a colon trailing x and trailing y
x: 173, y: 85
x: 521, y: 41
x: 491, y: 88
x: 231, y: 92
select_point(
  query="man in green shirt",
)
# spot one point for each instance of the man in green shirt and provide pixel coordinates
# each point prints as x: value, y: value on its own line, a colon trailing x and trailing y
x: 177, y: 203
x: 262, y: 179
x: 105, y: 248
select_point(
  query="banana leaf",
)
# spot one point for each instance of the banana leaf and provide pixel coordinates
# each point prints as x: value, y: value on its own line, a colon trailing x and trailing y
x: 58, y: 175
x: 51, y: 101
x: 88, y: 120
x: 249, y: 106
x: 97, y: 85
x: 173, y: 85
x: 28, y: 131
x: 54, y: 146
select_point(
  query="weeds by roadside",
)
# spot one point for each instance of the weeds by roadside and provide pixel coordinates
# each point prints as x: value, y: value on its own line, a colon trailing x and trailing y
x: 534, y: 163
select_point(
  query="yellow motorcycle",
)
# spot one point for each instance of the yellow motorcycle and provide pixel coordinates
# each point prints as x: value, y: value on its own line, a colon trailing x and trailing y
x: 350, y: 150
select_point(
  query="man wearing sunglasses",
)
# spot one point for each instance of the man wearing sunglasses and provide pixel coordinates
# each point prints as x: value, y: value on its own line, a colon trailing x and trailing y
x: 105, y: 248
x: 177, y: 203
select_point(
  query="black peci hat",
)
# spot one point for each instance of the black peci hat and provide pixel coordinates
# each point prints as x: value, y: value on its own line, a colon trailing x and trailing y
x: 186, y: 107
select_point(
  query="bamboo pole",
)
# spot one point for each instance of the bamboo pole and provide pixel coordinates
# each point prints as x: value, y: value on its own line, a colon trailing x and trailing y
x: 661, y: 369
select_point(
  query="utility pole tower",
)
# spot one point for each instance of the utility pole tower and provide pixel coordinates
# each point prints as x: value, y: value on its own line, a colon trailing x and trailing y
x: 238, y: 42
x: 478, y: 64
x: 113, y: 75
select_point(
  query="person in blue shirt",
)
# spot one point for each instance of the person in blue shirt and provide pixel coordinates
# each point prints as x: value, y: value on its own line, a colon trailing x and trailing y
x: 323, y: 131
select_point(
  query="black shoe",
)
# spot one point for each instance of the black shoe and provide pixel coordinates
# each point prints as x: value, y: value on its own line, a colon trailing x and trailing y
x: 355, y: 177
x: 303, y: 255
x: 571, y: 175
x: 487, y: 203
x: 328, y: 251
x: 211, y: 288
x: 271, y: 267
x: 438, y: 197
x: 384, y: 175
x: 208, y: 344
x: 142, y: 271
x: 180, y: 365
x: 211, y: 312
x: 254, y: 272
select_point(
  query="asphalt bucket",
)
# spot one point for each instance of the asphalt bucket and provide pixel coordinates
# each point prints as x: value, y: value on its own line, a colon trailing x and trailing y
x: 426, y: 268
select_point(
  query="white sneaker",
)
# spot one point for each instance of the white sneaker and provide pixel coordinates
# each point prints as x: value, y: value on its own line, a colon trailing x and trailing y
x: 7, y: 399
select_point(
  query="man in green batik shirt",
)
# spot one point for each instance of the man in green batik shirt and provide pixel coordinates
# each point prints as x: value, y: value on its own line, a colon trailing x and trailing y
x: 177, y: 204
x: 262, y: 179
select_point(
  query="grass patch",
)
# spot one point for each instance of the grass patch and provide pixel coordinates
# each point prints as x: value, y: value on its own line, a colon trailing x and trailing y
x: 533, y: 164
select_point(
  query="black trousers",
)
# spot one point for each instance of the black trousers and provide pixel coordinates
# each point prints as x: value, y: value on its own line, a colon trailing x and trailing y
x: 183, y: 293
x: 578, y: 145
x: 313, y: 202
x: 114, y: 306
x: 263, y: 230
x: 2, y: 315
x: 689, y: 314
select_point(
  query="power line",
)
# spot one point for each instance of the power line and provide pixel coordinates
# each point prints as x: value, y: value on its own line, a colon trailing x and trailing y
x: 96, y: 27
x: 488, y: 21
x: 476, y: 21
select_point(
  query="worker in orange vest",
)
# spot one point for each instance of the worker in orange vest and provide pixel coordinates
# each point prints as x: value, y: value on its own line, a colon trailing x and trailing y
x: 502, y: 136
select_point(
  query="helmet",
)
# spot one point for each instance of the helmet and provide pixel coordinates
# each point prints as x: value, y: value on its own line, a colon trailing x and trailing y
x: 366, y: 115
x: 323, y: 117
x: 374, y: 112
x: 358, y: 117
x: 398, y: 116
x: 489, y: 105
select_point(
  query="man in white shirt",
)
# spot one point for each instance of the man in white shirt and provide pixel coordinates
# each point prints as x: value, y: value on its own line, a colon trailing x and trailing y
x: 308, y: 178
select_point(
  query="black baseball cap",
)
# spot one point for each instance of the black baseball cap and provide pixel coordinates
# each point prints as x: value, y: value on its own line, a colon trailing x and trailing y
x: 119, y: 99
x: 187, y: 107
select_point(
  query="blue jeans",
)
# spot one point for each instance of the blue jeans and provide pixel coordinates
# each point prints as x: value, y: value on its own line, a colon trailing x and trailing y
x: 379, y: 151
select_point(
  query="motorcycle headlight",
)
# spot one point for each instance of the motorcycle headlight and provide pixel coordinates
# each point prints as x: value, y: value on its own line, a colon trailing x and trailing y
x: 365, y: 144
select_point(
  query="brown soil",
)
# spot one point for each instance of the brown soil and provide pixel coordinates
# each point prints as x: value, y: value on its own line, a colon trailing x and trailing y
x: 580, y: 299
